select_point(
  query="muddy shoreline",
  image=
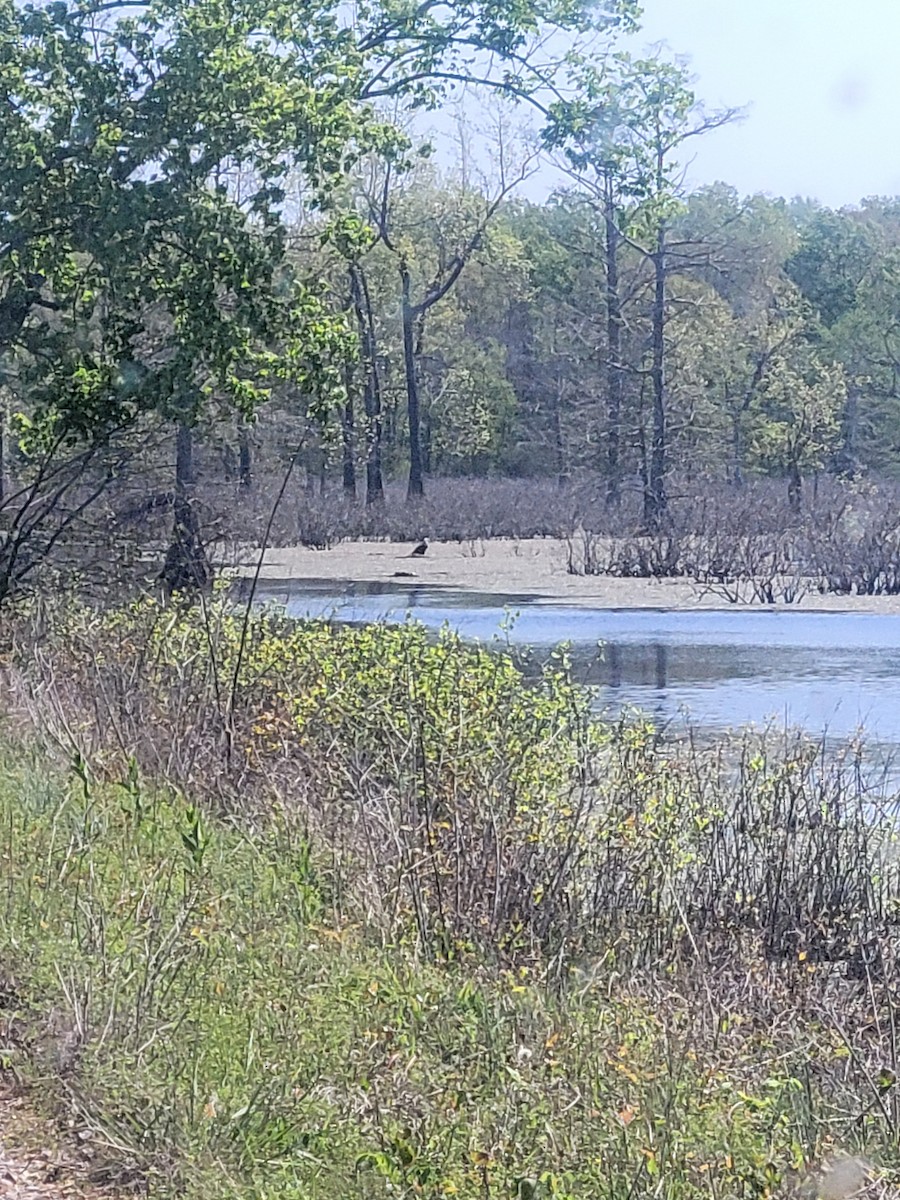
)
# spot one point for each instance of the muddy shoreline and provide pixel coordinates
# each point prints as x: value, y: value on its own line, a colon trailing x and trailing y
x: 535, y: 568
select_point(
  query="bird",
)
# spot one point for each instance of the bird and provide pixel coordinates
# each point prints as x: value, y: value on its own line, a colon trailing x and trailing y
x: 419, y: 550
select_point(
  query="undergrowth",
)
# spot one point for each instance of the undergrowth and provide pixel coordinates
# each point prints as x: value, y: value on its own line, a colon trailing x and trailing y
x: 294, y: 910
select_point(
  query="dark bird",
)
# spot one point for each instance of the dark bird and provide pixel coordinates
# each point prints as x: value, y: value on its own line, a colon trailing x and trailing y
x: 420, y: 549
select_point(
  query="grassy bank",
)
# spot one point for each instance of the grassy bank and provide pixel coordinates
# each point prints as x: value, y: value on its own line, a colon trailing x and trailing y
x: 299, y: 910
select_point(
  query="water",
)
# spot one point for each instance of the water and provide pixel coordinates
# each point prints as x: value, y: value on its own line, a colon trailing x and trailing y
x: 826, y: 673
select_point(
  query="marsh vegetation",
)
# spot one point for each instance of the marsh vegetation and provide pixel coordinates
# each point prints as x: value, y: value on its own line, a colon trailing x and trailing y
x: 322, y: 911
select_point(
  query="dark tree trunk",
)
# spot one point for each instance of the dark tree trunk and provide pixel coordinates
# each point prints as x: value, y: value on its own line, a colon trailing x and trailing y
x: 559, y: 446
x: 245, y: 458
x: 362, y: 307
x: 737, y: 418
x: 642, y: 454
x: 613, y: 348
x: 847, y: 462
x: 348, y: 448
x: 655, y: 498
x: 737, y: 450
x: 427, y: 443
x: 21, y: 296
x: 186, y: 568
x: 416, y: 488
x: 795, y: 487
x: 229, y: 462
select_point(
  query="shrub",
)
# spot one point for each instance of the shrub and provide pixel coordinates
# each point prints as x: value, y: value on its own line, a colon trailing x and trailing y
x: 211, y: 1017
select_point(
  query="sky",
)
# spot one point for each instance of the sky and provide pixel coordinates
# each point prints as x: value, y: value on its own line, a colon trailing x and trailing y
x: 820, y: 80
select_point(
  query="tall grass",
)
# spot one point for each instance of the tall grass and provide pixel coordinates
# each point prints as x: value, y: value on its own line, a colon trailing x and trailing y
x: 353, y: 913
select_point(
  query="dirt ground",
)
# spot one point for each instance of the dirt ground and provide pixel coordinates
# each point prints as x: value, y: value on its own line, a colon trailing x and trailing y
x: 534, y: 568
x: 34, y: 1165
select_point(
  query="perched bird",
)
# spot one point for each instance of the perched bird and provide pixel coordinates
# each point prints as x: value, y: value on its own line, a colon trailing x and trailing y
x: 420, y: 549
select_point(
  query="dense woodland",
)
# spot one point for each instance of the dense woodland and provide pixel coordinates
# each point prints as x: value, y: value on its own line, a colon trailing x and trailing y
x: 779, y: 350
x: 229, y: 253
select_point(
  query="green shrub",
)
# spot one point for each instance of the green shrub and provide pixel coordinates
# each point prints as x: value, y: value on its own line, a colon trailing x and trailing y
x: 338, y: 913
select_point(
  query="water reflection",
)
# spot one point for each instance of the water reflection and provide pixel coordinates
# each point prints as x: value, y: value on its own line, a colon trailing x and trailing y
x: 660, y: 655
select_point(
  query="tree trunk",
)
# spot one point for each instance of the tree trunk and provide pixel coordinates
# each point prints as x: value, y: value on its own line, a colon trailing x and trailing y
x: 362, y: 307
x: 795, y: 487
x: 737, y: 450
x: 186, y: 568
x: 427, y: 443
x: 229, y: 462
x: 642, y: 454
x: 613, y: 349
x: 655, y: 499
x: 245, y: 459
x: 348, y: 447
x: 846, y: 459
x: 562, y: 471
x: 20, y: 298
x: 3, y: 420
x: 416, y: 488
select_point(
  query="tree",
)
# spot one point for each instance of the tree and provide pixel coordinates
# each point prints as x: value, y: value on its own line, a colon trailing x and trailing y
x: 137, y: 280
x: 457, y: 221
x: 425, y: 56
x: 864, y: 335
x: 361, y: 300
x: 621, y: 136
x: 837, y: 252
x: 756, y: 344
x: 131, y: 282
x: 749, y: 238
x: 796, y: 412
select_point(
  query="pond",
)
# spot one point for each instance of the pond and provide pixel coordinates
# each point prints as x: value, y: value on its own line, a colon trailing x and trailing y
x: 826, y: 673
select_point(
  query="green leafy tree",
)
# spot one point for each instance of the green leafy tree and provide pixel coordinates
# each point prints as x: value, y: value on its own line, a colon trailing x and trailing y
x: 433, y: 232
x: 132, y: 283
x: 623, y: 135
x: 137, y: 280
x: 866, y: 339
x: 758, y: 342
x: 796, y: 414
x: 836, y: 254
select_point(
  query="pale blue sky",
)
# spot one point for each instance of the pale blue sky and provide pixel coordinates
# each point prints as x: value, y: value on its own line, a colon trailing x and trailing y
x: 822, y: 82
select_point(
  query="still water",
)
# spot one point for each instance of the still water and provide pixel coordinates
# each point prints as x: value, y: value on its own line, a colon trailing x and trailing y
x: 827, y: 673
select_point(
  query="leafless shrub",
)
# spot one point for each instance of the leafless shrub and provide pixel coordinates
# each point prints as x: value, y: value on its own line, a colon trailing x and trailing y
x: 461, y: 510
x: 60, y: 513
x: 659, y: 851
x: 749, y: 547
x: 857, y: 550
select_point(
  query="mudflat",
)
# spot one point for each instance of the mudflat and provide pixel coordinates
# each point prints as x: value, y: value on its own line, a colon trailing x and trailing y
x: 533, y: 567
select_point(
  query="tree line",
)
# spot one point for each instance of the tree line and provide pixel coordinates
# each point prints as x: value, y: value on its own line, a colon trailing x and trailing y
x: 222, y: 235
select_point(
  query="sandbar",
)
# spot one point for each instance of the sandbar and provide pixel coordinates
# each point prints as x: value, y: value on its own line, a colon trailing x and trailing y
x: 531, y: 568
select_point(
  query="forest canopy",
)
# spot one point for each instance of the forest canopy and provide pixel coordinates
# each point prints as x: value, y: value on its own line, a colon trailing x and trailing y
x: 226, y: 225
